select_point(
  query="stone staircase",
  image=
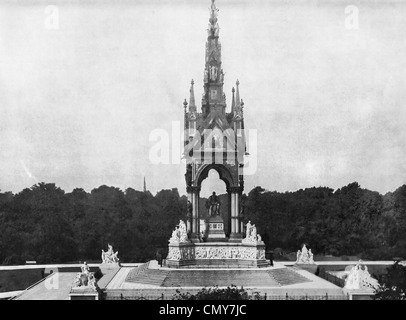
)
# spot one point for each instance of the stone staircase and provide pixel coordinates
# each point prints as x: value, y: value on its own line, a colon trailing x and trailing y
x: 221, y: 278
x: 213, y: 277
x: 144, y: 275
x: 286, y: 276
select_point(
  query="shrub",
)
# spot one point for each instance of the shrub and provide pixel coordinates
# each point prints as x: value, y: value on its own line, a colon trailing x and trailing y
x: 229, y: 293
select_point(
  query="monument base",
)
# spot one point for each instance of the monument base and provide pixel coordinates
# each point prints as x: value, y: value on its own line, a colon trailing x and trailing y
x: 84, y: 293
x: 216, y: 255
x: 215, y: 232
x: 235, y: 237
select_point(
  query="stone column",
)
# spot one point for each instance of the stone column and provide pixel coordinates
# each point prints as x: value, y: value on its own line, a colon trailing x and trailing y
x: 232, y: 208
x: 237, y: 211
x: 235, y: 235
x: 189, y: 219
x: 193, y: 192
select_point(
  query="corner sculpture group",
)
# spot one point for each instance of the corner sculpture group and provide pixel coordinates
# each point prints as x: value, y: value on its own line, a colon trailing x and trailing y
x: 85, y: 278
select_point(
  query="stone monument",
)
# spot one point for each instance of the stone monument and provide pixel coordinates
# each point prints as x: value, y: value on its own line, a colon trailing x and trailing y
x: 360, y: 279
x: 215, y: 140
x: 84, y: 285
x: 109, y: 256
x: 304, y: 260
x: 215, y: 222
x: 110, y: 260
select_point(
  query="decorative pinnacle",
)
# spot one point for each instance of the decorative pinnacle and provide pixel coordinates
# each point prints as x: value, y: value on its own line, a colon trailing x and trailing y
x: 214, y: 29
x: 192, y: 104
x: 213, y: 12
x: 237, y: 95
x: 185, y: 104
x: 233, y: 102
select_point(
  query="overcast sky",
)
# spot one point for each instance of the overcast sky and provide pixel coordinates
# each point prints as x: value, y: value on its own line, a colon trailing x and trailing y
x: 78, y: 103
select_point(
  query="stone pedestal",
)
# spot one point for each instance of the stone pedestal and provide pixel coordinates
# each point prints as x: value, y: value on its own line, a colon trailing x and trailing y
x: 215, y: 231
x: 84, y: 293
x: 216, y: 255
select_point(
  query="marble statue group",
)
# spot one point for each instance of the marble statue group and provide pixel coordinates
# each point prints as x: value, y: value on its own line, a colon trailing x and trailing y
x: 251, y: 235
x: 179, y: 235
x: 109, y: 256
x: 305, y: 256
x: 359, y: 278
x: 85, y: 278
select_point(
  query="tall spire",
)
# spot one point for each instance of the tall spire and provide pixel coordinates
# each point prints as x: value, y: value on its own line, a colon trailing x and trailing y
x: 192, y: 104
x: 213, y: 25
x: 213, y: 97
x: 145, y: 185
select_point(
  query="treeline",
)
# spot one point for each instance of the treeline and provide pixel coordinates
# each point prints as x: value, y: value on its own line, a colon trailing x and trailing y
x: 348, y: 221
x: 46, y: 224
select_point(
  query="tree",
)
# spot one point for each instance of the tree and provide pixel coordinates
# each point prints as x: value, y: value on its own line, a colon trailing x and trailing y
x: 229, y: 293
x: 392, y: 285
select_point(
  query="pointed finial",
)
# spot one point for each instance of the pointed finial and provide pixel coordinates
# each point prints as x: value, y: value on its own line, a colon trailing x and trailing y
x: 237, y: 95
x: 213, y: 26
x: 233, y: 102
x: 242, y: 104
x: 185, y: 104
x: 192, y: 104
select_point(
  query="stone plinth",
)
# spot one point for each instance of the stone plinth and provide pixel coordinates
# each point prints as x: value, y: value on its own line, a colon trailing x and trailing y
x: 84, y: 293
x: 215, y: 231
x: 212, y: 255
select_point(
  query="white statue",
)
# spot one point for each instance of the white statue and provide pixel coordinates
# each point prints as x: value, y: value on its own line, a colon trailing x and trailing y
x: 251, y: 234
x: 85, y: 268
x: 179, y: 235
x: 305, y: 256
x: 213, y: 73
x: 182, y: 232
x: 248, y: 229
x: 110, y: 256
x: 85, y: 279
x: 359, y: 278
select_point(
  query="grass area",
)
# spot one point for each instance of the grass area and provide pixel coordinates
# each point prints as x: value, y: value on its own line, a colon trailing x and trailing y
x: 13, y: 280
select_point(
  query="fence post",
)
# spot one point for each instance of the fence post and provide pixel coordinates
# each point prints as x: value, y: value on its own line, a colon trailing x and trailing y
x: 162, y: 296
x: 326, y: 296
x: 287, y: 296
x: 265, y: 296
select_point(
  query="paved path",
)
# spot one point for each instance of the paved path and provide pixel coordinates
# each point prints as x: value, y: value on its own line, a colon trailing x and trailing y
x: 55, y: 287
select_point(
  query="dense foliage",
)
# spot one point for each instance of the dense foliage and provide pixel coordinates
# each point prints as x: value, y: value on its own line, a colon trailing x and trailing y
x: 229, y: 293
x: 45, y: 224
x: 392, y: 285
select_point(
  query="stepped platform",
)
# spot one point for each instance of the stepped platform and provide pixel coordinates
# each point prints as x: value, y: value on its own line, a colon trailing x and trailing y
x: 150, y: 281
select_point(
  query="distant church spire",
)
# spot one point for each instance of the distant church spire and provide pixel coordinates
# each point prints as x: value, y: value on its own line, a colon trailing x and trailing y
x: 145, y: 185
